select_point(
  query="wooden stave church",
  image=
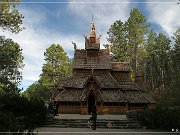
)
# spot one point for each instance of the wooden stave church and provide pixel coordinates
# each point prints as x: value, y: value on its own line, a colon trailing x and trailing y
x: 98, y: 81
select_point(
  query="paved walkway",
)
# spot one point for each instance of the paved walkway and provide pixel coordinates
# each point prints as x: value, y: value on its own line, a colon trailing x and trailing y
x: 88, y: 131
x: 79, y: 116
x: 102, y: 131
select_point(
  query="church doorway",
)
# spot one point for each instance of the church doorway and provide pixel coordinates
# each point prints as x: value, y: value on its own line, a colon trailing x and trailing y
x: 91, y: 102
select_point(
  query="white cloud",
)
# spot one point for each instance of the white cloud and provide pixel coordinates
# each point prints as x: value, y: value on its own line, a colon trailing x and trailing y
x: 33, y: 17
x: 104, y: 14
x: 34, y: 40
x: 167, y: 15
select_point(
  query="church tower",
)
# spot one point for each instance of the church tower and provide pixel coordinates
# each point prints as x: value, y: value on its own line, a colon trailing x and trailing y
x: 93, y: 42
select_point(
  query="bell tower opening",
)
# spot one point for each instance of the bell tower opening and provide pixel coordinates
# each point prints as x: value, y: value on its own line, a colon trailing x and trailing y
x: 91, y: 102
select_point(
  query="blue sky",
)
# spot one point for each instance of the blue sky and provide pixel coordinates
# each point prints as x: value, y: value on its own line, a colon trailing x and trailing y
x: 64, y: 21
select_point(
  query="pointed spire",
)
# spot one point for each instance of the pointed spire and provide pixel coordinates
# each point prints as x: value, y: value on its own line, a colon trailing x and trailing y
x: 92, y: 29
x: 92, y: 42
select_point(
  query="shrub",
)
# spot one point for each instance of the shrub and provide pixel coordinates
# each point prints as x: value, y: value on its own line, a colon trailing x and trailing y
x: 17, y: 113
x: 161, y: 118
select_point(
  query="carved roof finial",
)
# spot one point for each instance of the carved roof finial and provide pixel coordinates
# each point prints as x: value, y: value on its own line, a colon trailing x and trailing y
x: 108, y: 47
x: 74, y: 44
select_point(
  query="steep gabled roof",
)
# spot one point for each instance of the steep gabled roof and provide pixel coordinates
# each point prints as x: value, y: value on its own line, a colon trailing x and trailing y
x: 69, y: 95
x: 135, y: 97
x: 81, y: 62
x: 91, y: 87
x: 121, y: 66
x: 113, y: 96
x: 151, y: 100
x: 62, y: 82
x: 105, y: 80
x: 126, y: 84
x: 76, y: 81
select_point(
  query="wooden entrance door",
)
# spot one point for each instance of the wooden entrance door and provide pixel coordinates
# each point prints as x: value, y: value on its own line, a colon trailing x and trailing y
x: 91, y: 102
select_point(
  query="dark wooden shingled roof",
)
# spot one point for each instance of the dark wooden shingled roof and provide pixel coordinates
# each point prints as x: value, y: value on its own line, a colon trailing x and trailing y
x: 113, y: 96
x: 81, y: 62
x: 69, y: 95
x: 121, y: 66
x: 126, y: 84
x: 151, y: 100
x: 75, y: 81
x: 62, y: 82
x: 105, y: 80
x: 84, y: 96
x: 135, y: 97
x: 126, y: 93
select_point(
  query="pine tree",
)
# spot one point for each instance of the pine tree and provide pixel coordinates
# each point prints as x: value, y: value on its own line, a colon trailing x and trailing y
x: 137, y: 27
x: 117, y: 36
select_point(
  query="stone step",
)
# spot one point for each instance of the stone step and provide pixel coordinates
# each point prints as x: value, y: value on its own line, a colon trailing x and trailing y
x: 86, y: 126
x: 83, y: 123
x: 100, y: 123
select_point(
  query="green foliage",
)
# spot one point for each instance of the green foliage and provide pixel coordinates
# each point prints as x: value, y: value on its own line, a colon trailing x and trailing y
x: 17, y: 113
x: 137, y: 27
x: 176, y: 53
x: 128, y: 39
x: 161, y: 118
x: 20, y: 114
x: 57, y: 62
x: 10, y: 18
x: 158, y: 57
x: 11, y: 60
x: 132, y: 76
x: 117, y: 36
x: 158, y: 63
x: 37, y: 91
x: 57, y: 65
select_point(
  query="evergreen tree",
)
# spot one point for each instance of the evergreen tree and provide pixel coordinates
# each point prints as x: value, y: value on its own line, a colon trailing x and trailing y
x: 57, y: 65
x: 137, y: 27
x: 158, y: 63
x: 11, y: 60
x: 151, y: 60
x: 176, y: 51
x: 10, y: 18
x: 117, y: 36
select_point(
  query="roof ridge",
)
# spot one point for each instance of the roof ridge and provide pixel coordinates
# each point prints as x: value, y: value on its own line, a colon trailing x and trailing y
x: 59, y: 94
x: 114, y: 79
x: 91, y: 77
x: 145, y: 97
